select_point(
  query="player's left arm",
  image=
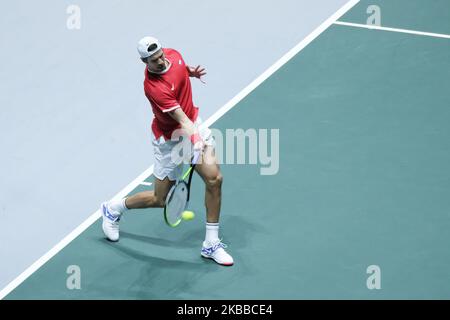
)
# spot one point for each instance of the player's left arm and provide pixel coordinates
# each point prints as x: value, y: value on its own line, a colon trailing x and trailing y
x: 196, y: 72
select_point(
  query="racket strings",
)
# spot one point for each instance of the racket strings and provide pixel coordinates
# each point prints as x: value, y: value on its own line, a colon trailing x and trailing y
x: 177, y: 203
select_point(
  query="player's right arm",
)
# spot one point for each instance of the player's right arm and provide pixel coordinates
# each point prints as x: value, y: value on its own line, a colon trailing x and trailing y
x: 163, y: 99
x: 187, y: 126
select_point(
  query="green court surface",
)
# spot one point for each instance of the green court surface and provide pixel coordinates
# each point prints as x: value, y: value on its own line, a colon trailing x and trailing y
x: 364, y: 179
x: 420, y: 15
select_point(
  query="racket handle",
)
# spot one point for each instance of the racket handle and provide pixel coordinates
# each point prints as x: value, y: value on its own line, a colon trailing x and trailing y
x: 196, y: 156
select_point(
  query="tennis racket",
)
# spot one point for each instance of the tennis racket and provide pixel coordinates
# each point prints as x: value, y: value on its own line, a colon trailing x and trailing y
x: 178, y: 197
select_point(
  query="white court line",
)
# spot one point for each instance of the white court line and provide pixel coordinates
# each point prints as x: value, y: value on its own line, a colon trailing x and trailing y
x: 148, y: 184
x: 230, y: 104
x: 372, y: 27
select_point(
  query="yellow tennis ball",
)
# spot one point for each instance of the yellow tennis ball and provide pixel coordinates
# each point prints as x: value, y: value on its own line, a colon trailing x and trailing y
x: 188, y: 215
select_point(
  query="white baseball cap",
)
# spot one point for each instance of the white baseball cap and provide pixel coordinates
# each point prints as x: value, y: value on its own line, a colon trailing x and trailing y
x: 147, y: 46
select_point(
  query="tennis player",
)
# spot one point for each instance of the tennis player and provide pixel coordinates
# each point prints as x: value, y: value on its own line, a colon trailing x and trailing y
x: 168, y: 88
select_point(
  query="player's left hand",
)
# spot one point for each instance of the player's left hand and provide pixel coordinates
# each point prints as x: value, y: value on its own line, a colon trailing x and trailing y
x: 197, y: 72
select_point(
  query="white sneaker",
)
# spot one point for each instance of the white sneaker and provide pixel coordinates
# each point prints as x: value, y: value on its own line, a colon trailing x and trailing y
x: 110, y: 223
x: 215, y: 250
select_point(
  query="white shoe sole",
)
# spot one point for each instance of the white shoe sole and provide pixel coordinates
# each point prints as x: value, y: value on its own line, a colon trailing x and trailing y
x: 222, y: 264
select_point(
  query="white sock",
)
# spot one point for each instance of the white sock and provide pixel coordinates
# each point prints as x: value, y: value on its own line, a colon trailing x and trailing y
x: 118, y: 205
x: 212, y: 232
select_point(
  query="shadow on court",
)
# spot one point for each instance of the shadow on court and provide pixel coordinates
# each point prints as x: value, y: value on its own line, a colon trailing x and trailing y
x: 159, y: 276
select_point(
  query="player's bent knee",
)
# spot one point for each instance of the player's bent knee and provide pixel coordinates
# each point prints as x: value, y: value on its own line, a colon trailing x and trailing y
x: 215, y: 181
x: 160, y: 202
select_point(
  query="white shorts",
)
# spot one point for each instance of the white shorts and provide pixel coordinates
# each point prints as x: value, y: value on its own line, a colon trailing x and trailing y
x: 164, y: 164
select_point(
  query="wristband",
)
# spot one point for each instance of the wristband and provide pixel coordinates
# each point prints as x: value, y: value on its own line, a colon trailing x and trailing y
x: 195, y: 138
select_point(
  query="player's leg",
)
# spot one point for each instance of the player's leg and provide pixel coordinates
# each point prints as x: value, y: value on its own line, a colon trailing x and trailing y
x: 150, y: 199
x: 209, y: 171
x: 165, y: 172
x: 112, y: 210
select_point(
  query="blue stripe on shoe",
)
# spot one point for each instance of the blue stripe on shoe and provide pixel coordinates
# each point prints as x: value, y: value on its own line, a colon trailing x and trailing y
x: 108, y: 214
x: 209, y: 251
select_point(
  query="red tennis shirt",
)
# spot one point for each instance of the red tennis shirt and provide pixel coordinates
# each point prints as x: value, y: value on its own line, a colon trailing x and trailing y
x: 168, y: 91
